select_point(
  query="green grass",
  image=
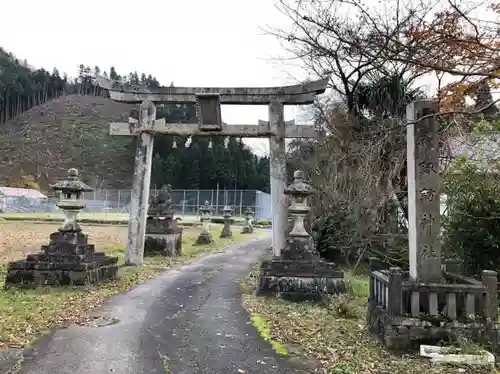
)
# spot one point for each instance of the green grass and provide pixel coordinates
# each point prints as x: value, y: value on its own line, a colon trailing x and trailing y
x: 25, y: 314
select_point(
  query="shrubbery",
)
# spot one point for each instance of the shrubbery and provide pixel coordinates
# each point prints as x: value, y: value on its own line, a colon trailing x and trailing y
x: 340, y: 238
x: 472, y: 218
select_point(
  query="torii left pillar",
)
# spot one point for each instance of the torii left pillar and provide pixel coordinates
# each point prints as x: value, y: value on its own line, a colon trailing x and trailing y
x: 141, y: 182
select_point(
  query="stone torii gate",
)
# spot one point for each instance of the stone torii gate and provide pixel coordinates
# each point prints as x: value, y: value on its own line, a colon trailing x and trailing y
x: 208, y: 101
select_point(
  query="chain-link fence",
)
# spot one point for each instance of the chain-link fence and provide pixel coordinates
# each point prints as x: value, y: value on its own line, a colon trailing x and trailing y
x: 184, y: 202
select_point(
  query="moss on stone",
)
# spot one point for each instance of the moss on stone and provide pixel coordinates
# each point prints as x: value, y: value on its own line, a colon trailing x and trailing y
x: 264, y: 330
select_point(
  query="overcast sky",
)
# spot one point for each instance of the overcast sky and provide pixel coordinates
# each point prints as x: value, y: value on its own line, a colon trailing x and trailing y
x: 189, y: 42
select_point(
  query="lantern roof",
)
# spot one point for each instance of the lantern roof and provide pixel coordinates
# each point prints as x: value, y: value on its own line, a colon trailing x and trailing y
x: 299, y: 186
x: 72, y: 184
x: 206, y: 207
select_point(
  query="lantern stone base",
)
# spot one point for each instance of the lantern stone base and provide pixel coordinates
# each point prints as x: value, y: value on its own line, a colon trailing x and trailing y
x: 299, y: 280
x: 163, y: 244
x: 163, y: 238
x: 301, y: 248
x: 204, y: 238
x: 247, y: 230
x: 67, y: 260
x: 226, y: 233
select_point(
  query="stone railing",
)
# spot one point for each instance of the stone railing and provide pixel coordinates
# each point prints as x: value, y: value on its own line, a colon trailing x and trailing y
x: 379, y: 289
x: 460, y: 299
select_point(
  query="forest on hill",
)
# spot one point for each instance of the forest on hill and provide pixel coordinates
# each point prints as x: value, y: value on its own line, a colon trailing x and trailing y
x: 24, y: 91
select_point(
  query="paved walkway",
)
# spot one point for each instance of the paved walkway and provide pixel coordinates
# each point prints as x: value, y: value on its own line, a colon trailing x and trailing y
x: 185, y: 321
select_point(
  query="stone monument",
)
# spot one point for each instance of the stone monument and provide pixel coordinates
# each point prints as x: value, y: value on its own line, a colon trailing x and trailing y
x: 248, y: 225
x: 432, y: 301
x: 299, y: 273
x: 68, y: 259
x: 226, y: 230
x: 205, y: 236
x: 163, y: 234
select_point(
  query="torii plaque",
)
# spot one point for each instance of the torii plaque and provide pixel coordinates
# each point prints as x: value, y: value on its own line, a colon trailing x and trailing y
x: 209, y: 101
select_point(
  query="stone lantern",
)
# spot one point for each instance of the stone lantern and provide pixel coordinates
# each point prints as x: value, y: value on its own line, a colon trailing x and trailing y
x: 71, y: 199
x: 161, y: 205
x: 300, y: 244
x: 299, y: 273
x: 248, y: 225
x: 68, y: 259
x: 226, y: 230
x: 205, y: 236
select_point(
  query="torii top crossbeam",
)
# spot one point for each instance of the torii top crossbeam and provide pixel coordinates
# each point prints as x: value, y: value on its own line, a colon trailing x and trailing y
x: 299, y: 94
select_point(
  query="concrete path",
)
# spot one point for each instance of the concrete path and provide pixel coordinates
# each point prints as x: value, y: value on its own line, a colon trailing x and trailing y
x: 188, y: 320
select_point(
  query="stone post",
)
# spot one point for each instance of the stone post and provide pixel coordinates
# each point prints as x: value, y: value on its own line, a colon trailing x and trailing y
x: 248, y: 225
x: 373, y: 265
x: 277, y: 165
x: 490, y: 281
x: 395, y: 292
x: 422, y: 138
x: 205, y: 236
x: 134, y: 254
x: 226, y: 230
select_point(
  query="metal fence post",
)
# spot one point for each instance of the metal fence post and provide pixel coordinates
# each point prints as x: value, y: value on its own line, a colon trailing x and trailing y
x: 183, y: 203
x: 217, y: 200
x: 241, y: 203
x: 197, y: 203
x: 212, y: 200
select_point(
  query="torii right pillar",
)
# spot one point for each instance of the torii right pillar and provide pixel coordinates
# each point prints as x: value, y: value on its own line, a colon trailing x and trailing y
x: 277, y: 172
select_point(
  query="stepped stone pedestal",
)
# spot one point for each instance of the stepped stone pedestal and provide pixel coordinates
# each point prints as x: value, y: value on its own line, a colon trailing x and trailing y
x: 68, y: 259
x: 163, y: 234
x: 205, y: 236
x: 299, y: 273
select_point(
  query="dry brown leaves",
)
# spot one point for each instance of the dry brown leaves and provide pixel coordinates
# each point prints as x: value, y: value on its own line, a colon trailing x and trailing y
x: 340, y: 343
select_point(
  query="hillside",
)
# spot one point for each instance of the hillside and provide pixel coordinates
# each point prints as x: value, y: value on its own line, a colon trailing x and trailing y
x: 49, y: 122
x: 70, y: 131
